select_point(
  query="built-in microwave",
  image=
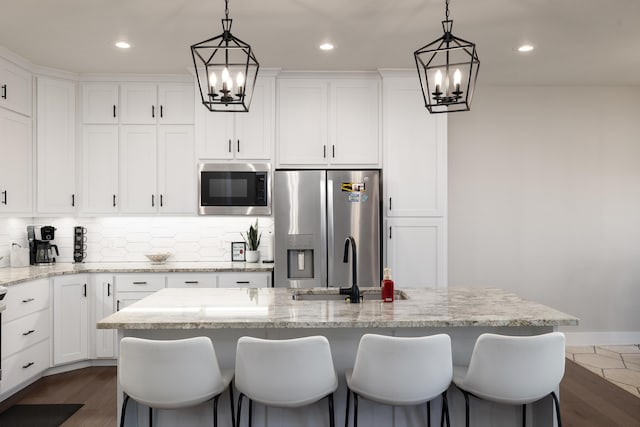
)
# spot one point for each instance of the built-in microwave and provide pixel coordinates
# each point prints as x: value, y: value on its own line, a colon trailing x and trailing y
x: 234, y: 189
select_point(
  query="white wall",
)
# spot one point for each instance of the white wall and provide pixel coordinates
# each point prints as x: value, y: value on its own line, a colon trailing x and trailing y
x: 544, y: 200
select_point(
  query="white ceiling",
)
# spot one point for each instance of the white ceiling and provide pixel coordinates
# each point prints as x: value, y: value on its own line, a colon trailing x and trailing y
x: 577, y: 41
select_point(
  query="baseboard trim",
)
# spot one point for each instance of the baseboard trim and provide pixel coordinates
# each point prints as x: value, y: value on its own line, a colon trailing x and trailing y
x: 603, y: 338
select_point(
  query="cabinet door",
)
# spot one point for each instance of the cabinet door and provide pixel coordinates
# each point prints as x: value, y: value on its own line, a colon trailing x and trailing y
x: 176, y: 104
x: 354, y: 122
x: 138, y: 104
x: 125, y: 299
x: 302, y: 122
x: 15, y: 163
x: 99, y: 168
x: 99, y: 103
x: 215, y: 135
x: 105, y: 339
x: 254, y: 130
x: 56, y: 146
x: 177, y: 185
x: 70, y: 319
x: 138, y: 169
x: 15, y: 88
x: 415, y: 153
x: 416, y: 252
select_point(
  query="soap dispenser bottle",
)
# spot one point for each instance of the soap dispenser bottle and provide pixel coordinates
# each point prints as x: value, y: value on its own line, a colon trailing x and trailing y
x: 387, y: 286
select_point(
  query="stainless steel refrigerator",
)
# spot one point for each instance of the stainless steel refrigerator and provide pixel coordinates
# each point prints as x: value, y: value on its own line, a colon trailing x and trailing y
x: 314, y: 212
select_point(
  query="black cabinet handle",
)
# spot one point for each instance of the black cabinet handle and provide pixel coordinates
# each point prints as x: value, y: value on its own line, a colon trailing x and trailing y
x: 29, y: 332
x: 4, y: 197
x: 333, y: 151
x: 390, y: 232
x: 242, y: 282
x: 114, y: 200
x: 238, y: 146
x: 84, y: 290
x: 161, y: 201
x: 118, y: 305
x: 389, y: 203
x: 324, y: 151
x: 153, y: 200
x: 108, y: 289
x: 28, y: 300
x: 139, y: 283
x: 153, y: 111
x: 161, y: 112
x: 73, y: 200
x: 114, y: 110
x: 191, y: 282
x: 4, y: 91
x: 28, y: 365
x: 229, y: 145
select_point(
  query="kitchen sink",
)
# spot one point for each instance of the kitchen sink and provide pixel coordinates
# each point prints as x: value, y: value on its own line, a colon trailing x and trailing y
x: 332, y: 294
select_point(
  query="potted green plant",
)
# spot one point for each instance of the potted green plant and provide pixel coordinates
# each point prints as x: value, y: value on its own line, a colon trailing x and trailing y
x: 252, y: 239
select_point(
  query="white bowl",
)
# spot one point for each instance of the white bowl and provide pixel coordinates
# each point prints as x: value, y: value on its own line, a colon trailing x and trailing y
x: 158, y: 258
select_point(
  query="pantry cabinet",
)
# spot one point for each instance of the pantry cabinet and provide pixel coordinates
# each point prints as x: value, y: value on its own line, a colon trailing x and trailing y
x: 56, y: 146
x: 240, y: 136
x: 16, y: 171
x: 70, y: 319
x: 15, y: 88
x: 329, y: 122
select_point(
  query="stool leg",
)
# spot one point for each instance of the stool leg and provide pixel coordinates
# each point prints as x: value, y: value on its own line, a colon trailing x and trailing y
x: 445, y: 403
x: 429, y: 413
x: 124, y: 409
x: 524, y: 415
x: 150, y: 416
x: 466, y: 408
x: 233, y: 416
x: 555, y: 400
x: 250, y: 412
x: 239, y: 409
x: 346, y: 415
x: 355, y: 409
x: 332, y: 419
x: 215, y: 411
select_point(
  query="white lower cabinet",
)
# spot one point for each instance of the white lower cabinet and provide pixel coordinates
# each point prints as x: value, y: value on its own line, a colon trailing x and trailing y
x: 26, y: 328
x: 244, y: 280
x: 133, y: 287
x: 104, y: 297
x: 416, y: 252
x: 70, y: 319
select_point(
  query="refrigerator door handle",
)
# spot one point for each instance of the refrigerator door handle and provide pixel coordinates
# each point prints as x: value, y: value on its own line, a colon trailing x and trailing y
x: 326, y: 226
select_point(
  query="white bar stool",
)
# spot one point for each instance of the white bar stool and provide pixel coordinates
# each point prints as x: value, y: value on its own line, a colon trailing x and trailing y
x: 513, y: 370
x: 401, y: 371
x: 285, y: 373
x: 171, y: 374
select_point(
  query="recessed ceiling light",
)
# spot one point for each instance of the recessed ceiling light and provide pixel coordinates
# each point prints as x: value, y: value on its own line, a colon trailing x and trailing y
x: 326, y: 46
x: 525, y: 48
x: 123, y: 45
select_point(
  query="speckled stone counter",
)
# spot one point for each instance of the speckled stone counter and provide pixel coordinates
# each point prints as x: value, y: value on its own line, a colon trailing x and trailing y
x: 275, y: 308
x: 11, y: 276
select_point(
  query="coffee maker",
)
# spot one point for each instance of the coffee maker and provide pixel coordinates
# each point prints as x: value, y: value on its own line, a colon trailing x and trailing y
x: 41, y: 250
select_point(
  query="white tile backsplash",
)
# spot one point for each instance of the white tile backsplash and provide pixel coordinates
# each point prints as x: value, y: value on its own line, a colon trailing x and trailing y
x: 118, y: 239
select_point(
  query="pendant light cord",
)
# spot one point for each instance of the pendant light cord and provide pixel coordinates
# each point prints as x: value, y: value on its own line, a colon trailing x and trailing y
x: 226, y: 8
x: 446, y: 14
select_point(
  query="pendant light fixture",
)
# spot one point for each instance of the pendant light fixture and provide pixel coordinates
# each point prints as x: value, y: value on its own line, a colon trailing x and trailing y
x: 448, y: 70
x: 226, y: 70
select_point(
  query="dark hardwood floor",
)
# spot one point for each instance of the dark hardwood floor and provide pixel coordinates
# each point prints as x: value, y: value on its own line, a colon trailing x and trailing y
x: 586, y: 399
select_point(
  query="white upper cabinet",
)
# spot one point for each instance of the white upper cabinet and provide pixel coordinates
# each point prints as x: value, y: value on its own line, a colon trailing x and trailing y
x: 242, y: 136
x: 329, y: 122
x: 138, y: 162
x: 176, y: 170
x: 99, y: 103
x: 99, y: 169
x: 175, y: 102
x: 415, y: 152
x: 56, y: 146
x: 16, y: 177
x: 15, y: 88
x: 138, y: 104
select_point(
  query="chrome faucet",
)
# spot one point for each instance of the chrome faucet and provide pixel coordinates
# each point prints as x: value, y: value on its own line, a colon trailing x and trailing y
x: 353, y: 291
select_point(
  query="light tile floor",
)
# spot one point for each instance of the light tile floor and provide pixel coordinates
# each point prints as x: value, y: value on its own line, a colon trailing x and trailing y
x: 619, y: 364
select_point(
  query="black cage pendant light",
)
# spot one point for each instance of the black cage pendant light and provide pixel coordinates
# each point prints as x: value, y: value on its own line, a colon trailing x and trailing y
x: 226, y: 70
x: 448, y: 70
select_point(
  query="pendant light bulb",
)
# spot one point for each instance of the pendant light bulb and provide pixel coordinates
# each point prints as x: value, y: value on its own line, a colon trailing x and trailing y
x: 457, y: 77
x: 213, y: 80
x: 240, y: 79
x: 438, y: 81
x: 225, y: 74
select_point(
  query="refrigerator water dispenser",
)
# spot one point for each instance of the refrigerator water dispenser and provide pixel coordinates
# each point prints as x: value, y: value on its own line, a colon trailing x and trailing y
x: 300, y: 263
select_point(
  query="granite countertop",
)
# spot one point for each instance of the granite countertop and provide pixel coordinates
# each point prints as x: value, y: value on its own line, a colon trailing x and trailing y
x: 11, y: 276
x: 180, y: 308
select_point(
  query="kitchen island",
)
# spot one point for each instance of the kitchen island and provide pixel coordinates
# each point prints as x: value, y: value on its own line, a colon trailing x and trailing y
x: 227, y: 314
